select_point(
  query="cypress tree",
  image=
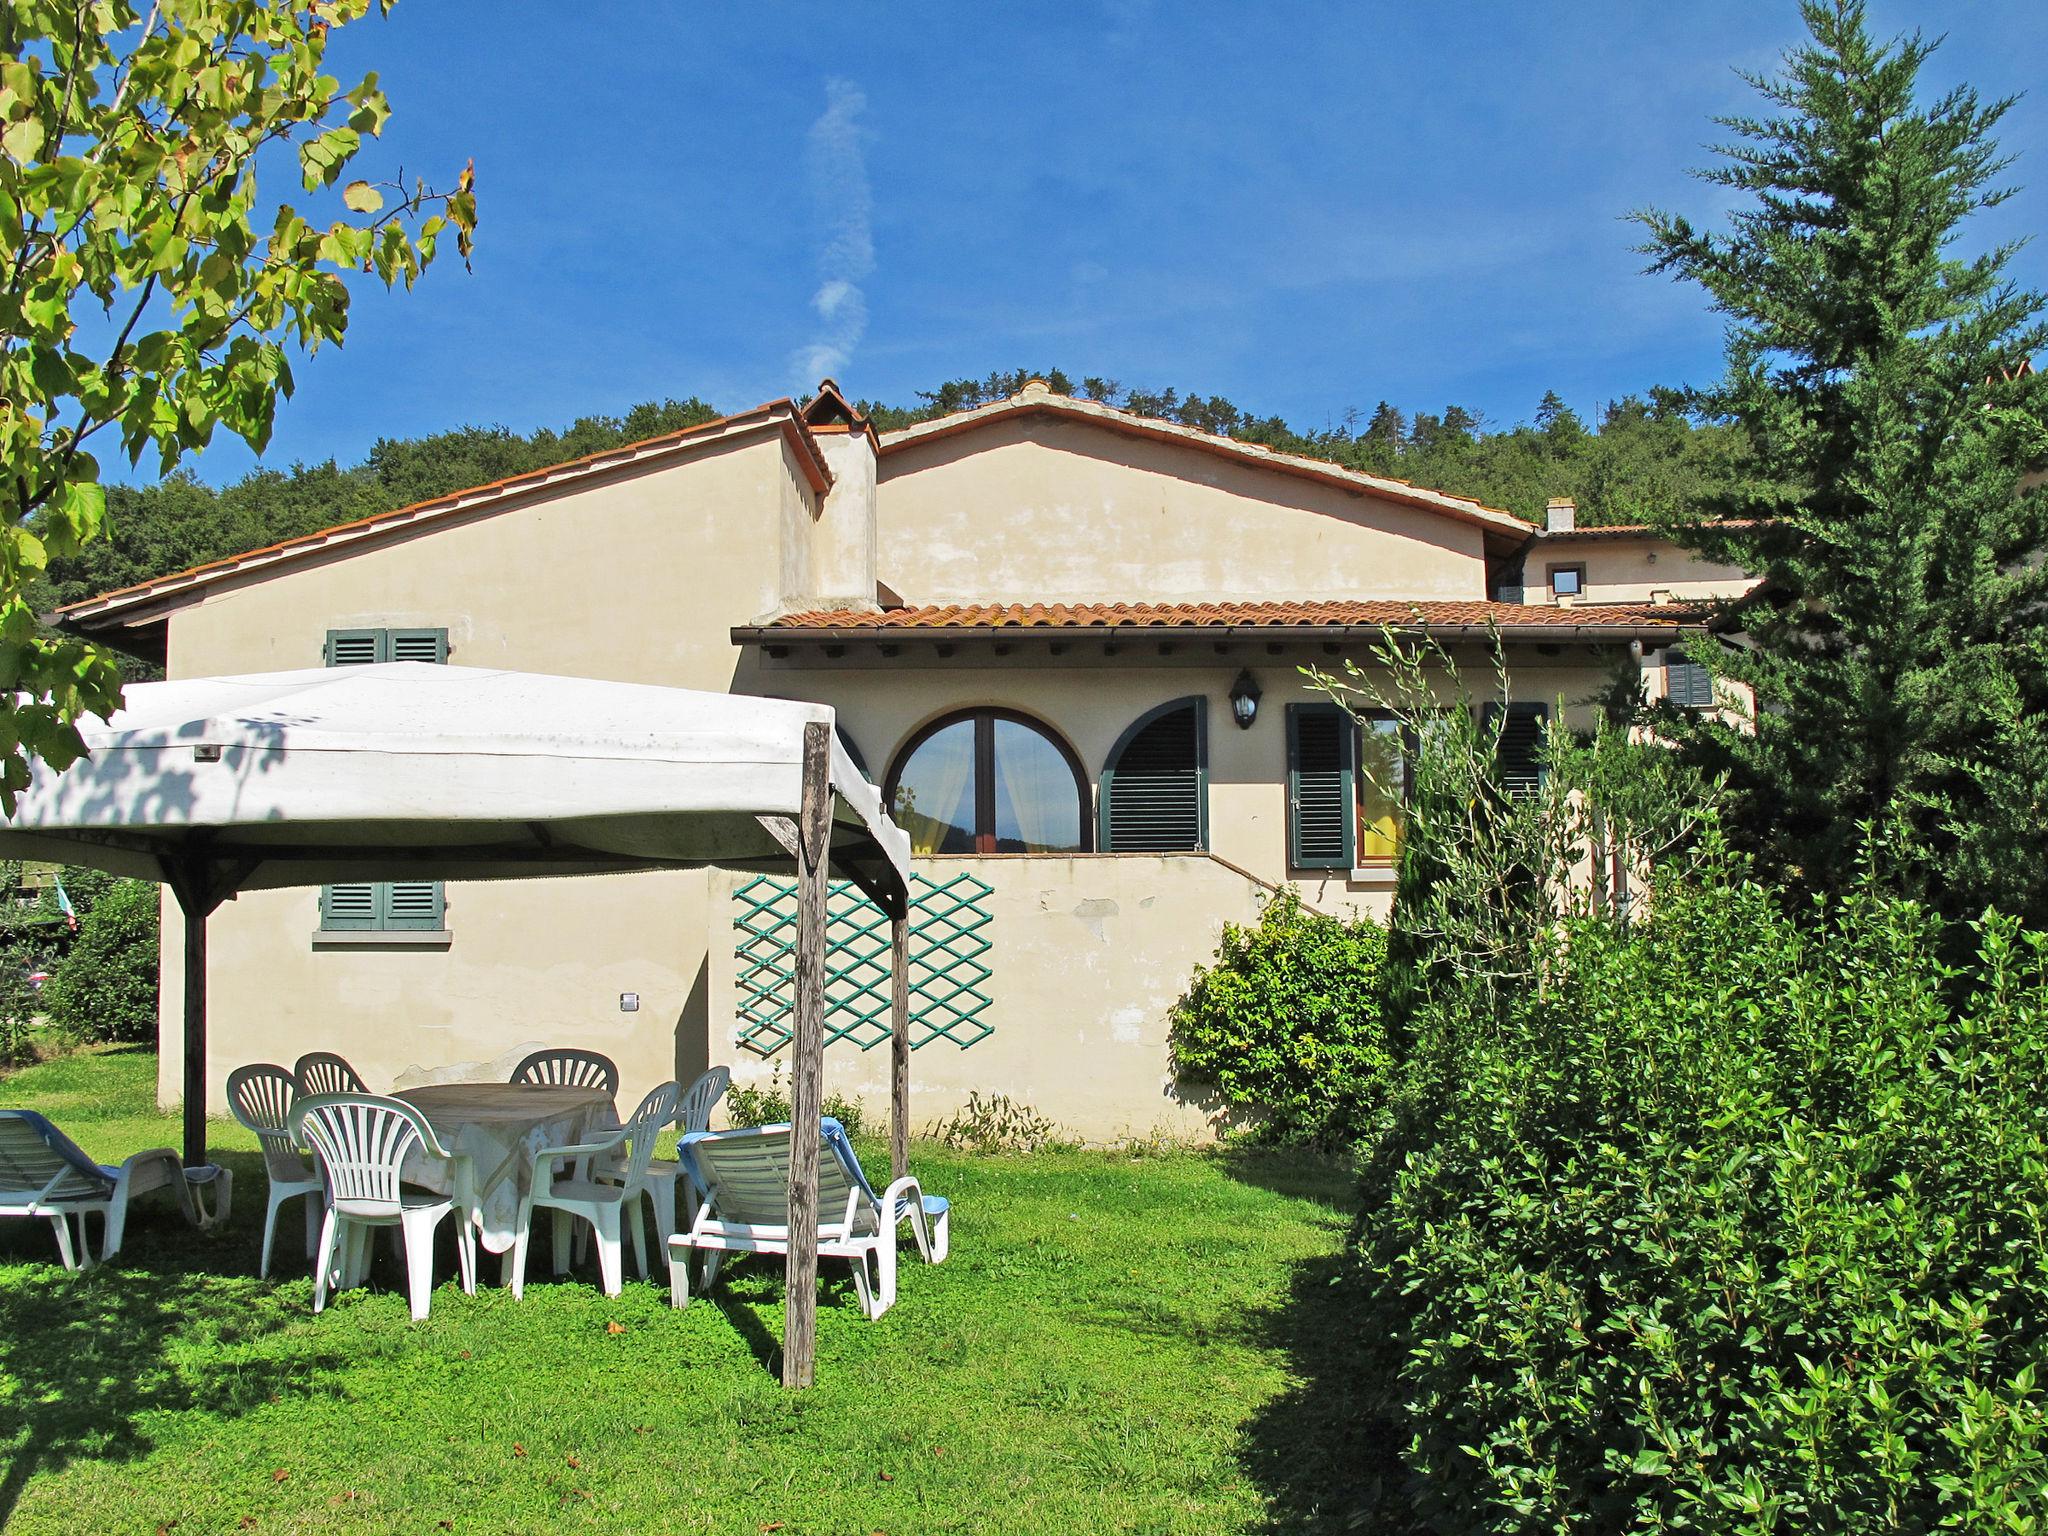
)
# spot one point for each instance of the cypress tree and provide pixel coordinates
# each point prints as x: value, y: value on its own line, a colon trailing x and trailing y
x: 1898, y: 641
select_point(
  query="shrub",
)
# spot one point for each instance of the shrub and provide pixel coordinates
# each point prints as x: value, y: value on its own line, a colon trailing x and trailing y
x: 997, y: 1123
x: 19, y: 1004
x: 851, y: 1113
x: 1287, y: 1023
x: 105, y: 986
x: 1734, y: 1223
x: 768, y: 1104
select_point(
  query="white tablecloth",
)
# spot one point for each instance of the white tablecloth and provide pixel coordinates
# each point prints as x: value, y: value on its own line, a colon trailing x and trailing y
x: 494, y: 1127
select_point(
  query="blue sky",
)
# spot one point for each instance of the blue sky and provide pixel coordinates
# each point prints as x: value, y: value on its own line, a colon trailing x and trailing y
x: 1306, y: 208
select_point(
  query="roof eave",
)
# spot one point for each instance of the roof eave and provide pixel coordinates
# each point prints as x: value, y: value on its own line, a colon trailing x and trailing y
x: 1492, y: 519
x: 153, y: 599
x: 771, y: 634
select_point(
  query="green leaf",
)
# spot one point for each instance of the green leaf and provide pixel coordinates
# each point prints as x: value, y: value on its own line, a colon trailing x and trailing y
x: 361, y: 197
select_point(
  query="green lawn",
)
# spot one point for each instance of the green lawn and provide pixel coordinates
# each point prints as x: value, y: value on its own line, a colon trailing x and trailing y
x: 1117, y: 1344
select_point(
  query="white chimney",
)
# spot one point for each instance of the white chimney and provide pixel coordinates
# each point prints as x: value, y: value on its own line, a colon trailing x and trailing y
x: 845, y: 542
x: 1561, y: 515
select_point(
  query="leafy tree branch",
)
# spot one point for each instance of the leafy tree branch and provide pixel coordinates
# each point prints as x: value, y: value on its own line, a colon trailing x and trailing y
x: 151, y: 288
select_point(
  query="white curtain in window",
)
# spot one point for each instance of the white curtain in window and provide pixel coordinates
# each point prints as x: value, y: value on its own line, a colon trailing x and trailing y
x: 1037, y: 808
x: 935, y: 792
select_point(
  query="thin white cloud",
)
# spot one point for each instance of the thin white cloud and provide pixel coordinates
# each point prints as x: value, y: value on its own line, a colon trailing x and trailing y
x: 843, y: 205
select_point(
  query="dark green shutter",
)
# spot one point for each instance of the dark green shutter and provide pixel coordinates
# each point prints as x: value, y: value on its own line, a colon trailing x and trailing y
x: 354, y: 647
x: 1154, y: 786
x: 1687, y: 684
x: 411, y: 904
x: 408, y: 904
x: 353, y: 907
x: 1322, y: 792
x: 1522, y: 736
x: 416, y: 645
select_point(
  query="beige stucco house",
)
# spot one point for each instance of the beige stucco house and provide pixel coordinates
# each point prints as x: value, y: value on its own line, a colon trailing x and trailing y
x: 1066, y: 639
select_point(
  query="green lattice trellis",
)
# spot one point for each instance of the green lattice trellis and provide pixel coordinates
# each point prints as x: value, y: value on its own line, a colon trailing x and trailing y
x: 948, y: 976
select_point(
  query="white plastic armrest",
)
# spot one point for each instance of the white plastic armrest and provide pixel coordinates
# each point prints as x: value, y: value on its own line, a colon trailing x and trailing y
x: 893, y: 1195
x: 544, y: 1158
x: 580, y: 1149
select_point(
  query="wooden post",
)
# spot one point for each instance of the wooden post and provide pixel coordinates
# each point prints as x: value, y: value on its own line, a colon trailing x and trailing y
x: 899, y: 1046
x: 195, y: 1036
x: 807, y: 1061
x: 189, y: 883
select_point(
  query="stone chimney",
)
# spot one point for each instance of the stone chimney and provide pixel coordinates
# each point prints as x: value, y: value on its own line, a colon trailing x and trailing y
x: 1561, y: 515
x: 845, y: 542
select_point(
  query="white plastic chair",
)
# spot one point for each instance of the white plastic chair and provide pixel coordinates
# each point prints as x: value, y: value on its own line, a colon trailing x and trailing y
x: 665, y: 1175
x: 693, y: 1109
x: 323, y: 1072
x: 261, y: 1097
x: 362, y: 1142
x: 565, y: 1067
x: 743, y: 1179
x: 44, y: 1174
x: 602, y: 1203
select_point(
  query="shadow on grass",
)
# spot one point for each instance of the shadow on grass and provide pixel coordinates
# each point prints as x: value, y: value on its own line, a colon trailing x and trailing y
x: 739, y: 1311
x: 749, y: 1282
x: 1316, y: 1451
x: 85, y: 1358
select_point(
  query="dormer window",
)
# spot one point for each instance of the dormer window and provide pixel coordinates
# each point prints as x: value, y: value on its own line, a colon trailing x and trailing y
x: 1567, y: 581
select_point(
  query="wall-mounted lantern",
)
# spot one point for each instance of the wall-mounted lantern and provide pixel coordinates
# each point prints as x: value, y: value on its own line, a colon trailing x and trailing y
x: 1244, y: 700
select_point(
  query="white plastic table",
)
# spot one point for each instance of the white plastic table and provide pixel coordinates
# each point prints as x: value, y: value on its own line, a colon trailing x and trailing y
x: 494, y: 1128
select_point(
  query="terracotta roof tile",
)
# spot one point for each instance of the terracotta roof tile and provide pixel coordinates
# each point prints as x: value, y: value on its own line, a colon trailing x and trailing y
x: 1632, y: 530
x: 1341, y: 614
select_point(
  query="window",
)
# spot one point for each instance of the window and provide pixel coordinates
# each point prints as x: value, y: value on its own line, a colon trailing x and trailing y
x: 1382, y: 789
x: 1155, y: 782
x: 396, y: 905
x: 1347, y: 787
x: 989, y: 781
x: 1567, y: 581
x: 1321, y: 786
x: 390, y: 905
x: 1520, y: 749
x: 1686, y: 683
x: 362, y: 647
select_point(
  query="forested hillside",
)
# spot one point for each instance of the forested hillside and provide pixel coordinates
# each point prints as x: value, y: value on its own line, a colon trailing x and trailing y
x: 1643, y: 458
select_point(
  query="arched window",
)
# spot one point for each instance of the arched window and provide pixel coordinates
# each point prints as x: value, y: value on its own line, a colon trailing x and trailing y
x: 989, y: 781
x: 1155, y: 782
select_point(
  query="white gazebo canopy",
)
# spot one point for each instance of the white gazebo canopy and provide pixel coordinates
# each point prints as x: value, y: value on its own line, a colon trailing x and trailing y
x: 413, y: 770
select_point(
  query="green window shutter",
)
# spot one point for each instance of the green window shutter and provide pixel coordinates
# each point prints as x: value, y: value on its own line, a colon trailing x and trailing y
x: 411, y: 904
x: 1155, y: 784
x: 1687, y: 684
x: 1321, y: 786
x: 354, y: 647
x: 416, y: 645
x: 1522, y: 736
x: 361, y: 647
x: 350, y: 907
